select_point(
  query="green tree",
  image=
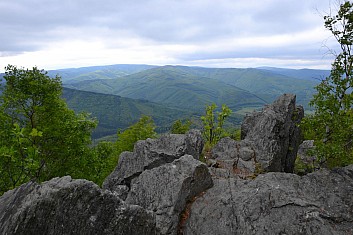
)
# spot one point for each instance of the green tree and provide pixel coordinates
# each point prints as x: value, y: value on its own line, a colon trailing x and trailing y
x: 103, y: 161
x: 213, y: 130
x: 331, y: 126
x: 143, y: 129
x: 179, y: 127
x: 40, y: 137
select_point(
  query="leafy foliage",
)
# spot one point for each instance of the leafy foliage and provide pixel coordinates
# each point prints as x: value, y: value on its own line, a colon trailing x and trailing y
x: 332, y: 124
x: 143, y: 129
x: 179, y: 127
x: 104, y: 158
x: 40, y: 137
x: 213, y: 130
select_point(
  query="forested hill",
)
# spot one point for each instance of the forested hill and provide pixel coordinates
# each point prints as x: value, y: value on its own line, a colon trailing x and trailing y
x: 73, y: 75
x: 176, y: 88
x: 183, y: 85
x: 115, y: 112
x: 304, y: 74
x: 168, y: 93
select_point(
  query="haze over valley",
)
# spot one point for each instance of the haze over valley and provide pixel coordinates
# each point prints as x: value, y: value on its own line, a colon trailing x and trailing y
x: 119, y: 94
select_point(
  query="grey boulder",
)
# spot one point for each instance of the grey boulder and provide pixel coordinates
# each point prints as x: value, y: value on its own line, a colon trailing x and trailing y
x: 167, y: 189
x: 276, y: 203
x: 152, y: 153
x: 66, y: 206
x: 270, y: 140
x: 275, y: 134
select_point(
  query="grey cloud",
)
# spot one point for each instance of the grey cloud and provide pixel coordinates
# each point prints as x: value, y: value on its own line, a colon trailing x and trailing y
x: 29, y: 25
x: 311, y: 53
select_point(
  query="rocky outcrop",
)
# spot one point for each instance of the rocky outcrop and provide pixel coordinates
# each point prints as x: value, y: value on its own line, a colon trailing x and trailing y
x: 152, y: 153
x: 276, y: 203
x: 162, y: 175
x: 162, y: 188
x: 270, y: 140
x: 167, y: 189
x: 307, y: 161
x: 67, y: 206
x: 146, y: 194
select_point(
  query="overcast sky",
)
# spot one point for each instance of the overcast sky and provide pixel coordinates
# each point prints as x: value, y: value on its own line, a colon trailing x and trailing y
x: 54, y: 34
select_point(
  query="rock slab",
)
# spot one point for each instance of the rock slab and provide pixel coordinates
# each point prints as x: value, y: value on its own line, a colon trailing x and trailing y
x: 67, y: 206
x: 270, y: 140
x: 276, y: 203
x: 152, y: 153
x: 167, y: 189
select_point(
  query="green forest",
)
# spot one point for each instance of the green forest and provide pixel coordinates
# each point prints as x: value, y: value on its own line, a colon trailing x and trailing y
x: 48, y: 123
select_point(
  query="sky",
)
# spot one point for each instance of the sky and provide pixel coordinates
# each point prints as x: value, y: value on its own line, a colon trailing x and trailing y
x: 54, y: 34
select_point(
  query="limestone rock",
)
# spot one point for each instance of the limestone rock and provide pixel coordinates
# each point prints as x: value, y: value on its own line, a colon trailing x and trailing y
x: 305, y: 152
x: 239, y: 157
x: 270, y: 140
x: 152, y: 153
x: 276, y: 203
x: 275, y: 133
x: 166, y: 190
x: 307, y: 161
x: 66, y: 206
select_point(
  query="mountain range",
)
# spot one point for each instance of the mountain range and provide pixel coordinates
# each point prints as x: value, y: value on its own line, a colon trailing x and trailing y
x: 194, y: 87
x: 119, y: 94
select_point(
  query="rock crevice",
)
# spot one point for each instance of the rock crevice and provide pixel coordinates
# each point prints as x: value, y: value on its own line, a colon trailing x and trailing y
x: 270, y: 140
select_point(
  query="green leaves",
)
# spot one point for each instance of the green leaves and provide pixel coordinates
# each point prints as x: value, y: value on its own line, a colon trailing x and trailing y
x: 35, y: 133
x: 331, y: 127
x: 213, y: 131
x: 143, y: 129
x: 179, y: 127
x: 40, y: 137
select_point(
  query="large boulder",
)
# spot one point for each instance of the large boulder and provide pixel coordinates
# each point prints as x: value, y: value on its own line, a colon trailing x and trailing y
x: 66, y: 206
x: 239, y: 157
x: 270, y: 140
x: 167, y: 189
x: 275, y: 133
x: 276, y: 203
x: 152, y: 153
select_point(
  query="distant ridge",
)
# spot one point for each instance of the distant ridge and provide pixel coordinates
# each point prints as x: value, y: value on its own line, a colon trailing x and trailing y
x: 115, y: 112
x: 72, y: 75
x: 119, y: 94
x: 305, y: 74
x: 182, y: 86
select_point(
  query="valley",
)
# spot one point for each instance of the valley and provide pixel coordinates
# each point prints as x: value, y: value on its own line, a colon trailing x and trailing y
x: 117, y: 95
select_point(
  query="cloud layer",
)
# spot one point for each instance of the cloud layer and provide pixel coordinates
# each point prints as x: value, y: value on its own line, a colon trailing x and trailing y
x: 224, y: 33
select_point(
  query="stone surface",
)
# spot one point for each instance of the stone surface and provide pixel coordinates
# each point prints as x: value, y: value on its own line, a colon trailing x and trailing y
x: 270, y: 140
x: 167, y: 189
x: 305, y: 152
x: 276, y: 203
x: 239, y: 157
x: 66, y: 206
x: 152, y: 153
x: 275, y: 134
x: 307, y: 161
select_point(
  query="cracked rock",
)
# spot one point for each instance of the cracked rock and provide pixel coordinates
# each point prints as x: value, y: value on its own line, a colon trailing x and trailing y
x: 67, y: 206
x: 152, y: 153
x: 270, y: 140
x: 166, y: 190
x: 276, y: 203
